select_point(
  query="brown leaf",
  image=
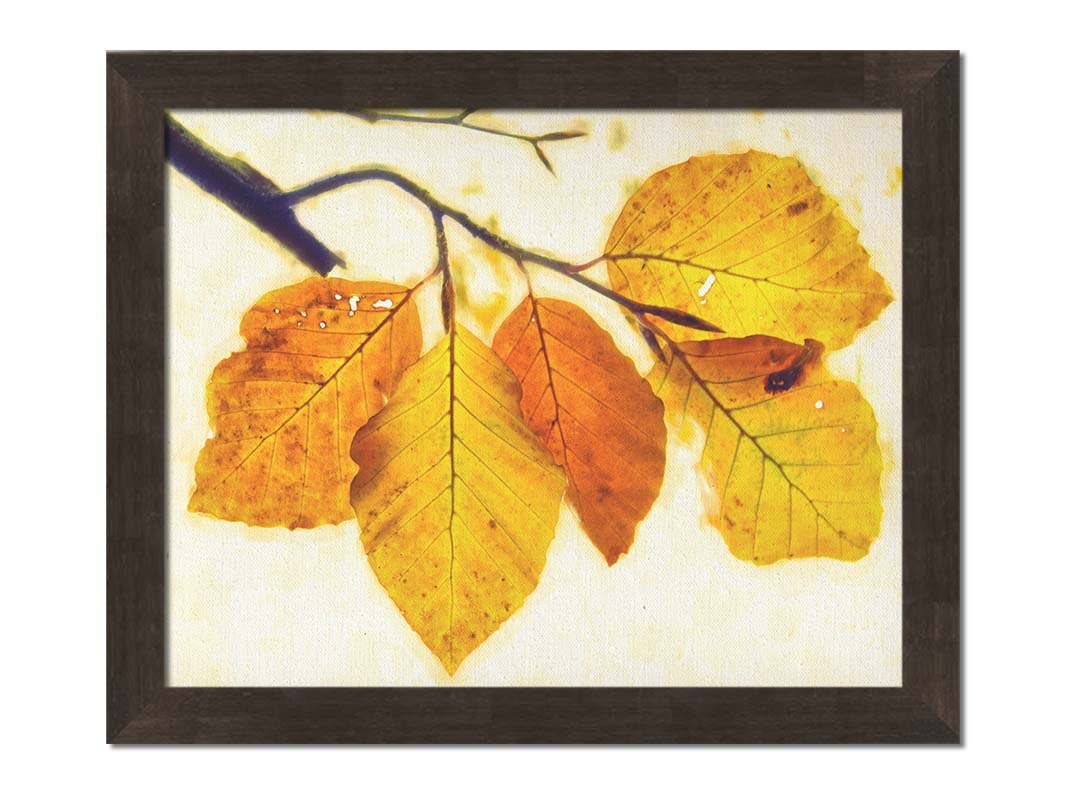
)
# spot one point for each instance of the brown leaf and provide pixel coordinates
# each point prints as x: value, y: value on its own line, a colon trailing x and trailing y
x: 594, y: 412
x: 792, y: 453
x: 321, y: 357
x: 748, y: 242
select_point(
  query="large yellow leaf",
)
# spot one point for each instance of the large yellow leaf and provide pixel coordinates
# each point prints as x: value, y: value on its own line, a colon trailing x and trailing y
x: 456, y: 497
x: 791, y: 452
x: 321, y: 357
x: 749, y: 243
x: 596, y: 414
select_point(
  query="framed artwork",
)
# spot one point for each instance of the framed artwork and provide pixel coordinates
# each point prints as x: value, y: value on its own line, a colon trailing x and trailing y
x: 533, y: 397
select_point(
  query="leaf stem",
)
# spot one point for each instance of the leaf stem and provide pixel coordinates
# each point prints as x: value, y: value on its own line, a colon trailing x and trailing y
x: 448, y: 289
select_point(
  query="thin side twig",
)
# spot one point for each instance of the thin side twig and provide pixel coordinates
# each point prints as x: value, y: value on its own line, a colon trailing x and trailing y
x: 459, y: 120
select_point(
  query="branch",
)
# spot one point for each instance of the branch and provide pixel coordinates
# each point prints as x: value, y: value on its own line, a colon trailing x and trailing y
x: 259, y: 200
x: 459, y: 120
x: 248, y: 192
x: 514, y: 251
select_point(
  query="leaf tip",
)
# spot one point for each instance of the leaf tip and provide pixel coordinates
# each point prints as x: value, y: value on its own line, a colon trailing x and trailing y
x: 451, y: 667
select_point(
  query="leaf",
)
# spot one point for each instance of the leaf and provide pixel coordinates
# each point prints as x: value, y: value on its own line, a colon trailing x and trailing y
x: 749, y: 242
x: 318, y: 363
x: 456, y: 498
x: 594, y: 412
x: 792, y: 452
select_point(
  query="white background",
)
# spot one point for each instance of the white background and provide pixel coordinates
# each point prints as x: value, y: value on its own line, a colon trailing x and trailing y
x: 1015, y: 547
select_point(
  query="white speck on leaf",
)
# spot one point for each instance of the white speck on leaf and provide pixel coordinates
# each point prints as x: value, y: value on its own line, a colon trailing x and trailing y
x: 706, y: 286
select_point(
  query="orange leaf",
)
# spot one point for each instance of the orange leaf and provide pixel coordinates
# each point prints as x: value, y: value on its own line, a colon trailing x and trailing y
x: 321, y: 357
x: 748, y: 243
x: 595, y: 413
x: 791, y: 452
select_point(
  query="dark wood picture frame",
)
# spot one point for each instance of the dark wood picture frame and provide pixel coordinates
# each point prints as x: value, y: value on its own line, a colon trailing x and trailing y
x: 924, y: 85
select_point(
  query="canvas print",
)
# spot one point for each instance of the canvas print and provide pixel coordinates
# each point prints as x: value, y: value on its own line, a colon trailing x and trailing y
x: 479, y: 397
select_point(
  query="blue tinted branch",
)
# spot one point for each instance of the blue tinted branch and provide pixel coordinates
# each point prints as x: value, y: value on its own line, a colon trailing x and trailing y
x: 248, y: 192
x: 259, y: 200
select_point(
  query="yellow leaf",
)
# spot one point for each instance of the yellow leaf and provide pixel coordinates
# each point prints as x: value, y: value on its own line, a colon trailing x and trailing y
x: 457, y: 499
x: 321, y: 357
x: 594, y: 412
x: 748, y: 243
x: 792, y: 453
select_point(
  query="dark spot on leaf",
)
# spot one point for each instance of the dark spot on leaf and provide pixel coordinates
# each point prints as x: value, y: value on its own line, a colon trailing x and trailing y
x: 796, y: 208
x: 781, y: 381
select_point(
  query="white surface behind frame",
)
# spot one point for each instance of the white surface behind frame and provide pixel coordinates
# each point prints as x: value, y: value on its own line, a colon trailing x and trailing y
x: 54, y: 616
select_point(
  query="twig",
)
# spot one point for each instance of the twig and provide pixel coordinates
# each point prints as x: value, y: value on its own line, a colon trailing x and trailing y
x: 459, y: 120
